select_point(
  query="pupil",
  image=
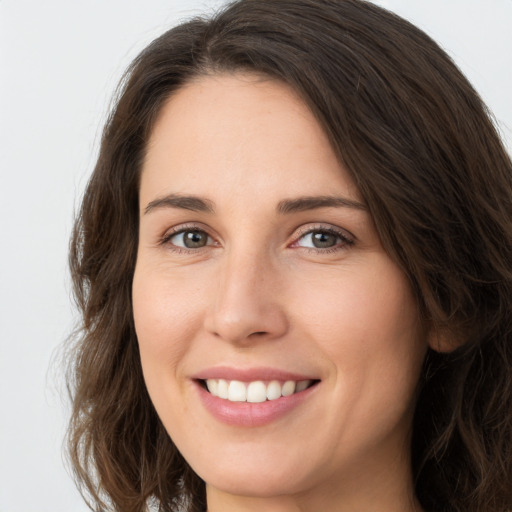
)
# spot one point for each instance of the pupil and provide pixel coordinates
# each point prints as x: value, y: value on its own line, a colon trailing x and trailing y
x: 194, y: 239
x: 322, y: 240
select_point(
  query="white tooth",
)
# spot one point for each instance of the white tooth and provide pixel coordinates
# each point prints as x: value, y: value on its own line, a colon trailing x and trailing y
x: 274, y: 390
x: 212, y: 385
x: 288, y: 388
x: 222, y: 389
x: 302, y: 385
x: 256, y: 392
x: 237, y: 391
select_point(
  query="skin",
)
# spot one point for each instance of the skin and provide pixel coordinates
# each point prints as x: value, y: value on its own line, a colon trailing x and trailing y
x: 259, y: 293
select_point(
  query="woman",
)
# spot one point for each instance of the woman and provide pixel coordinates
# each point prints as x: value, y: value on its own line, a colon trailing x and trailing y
x: 293, y: 264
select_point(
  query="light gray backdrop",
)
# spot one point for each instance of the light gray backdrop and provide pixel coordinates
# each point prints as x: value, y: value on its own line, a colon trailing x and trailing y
x: 59, y: 64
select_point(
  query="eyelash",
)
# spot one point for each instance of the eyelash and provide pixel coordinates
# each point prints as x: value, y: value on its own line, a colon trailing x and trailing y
x: 345, y: 238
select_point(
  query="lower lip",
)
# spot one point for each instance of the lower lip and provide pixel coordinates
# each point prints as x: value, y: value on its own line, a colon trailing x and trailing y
x: 246, y: 414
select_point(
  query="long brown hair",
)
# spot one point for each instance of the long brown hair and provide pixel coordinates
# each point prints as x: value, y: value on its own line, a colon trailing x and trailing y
x: 426, y: 157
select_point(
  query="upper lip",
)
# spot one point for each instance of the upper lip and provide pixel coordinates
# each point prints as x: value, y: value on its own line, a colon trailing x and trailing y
x: 250, y: 374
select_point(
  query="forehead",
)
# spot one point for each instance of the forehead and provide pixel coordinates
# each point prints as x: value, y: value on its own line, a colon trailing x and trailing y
x: 233, y: 131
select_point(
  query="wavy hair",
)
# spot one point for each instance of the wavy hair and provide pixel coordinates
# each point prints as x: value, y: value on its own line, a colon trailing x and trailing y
x: 425, y: 155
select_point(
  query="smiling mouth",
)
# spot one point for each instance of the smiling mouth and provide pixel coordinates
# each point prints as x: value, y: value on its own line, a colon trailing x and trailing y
x: 256, y: 391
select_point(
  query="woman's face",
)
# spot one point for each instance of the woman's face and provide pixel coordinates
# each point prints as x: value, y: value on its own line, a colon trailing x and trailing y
x: 260, y: 273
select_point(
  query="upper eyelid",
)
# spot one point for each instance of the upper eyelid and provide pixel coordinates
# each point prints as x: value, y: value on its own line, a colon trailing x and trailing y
x: 180, y: 228
x: 311, y: 228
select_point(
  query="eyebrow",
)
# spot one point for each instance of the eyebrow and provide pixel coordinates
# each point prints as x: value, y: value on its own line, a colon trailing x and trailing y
x: 300, y: 204
x: 313, y: 202
x: 193, y: 203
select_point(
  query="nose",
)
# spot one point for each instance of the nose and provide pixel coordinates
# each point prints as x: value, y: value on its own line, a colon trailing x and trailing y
x: 246, y: 305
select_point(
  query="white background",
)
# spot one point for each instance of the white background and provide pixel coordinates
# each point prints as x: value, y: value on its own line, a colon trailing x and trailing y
x: 59, y: 63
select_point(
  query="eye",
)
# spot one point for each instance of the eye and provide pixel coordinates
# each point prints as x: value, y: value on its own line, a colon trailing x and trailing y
x: 189, y: 239
x: 322, y: 238
x: 318, y: 240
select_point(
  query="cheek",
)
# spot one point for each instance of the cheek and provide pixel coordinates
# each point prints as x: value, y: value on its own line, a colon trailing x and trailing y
x: 166, y: 314
x: 366, y: 306
x: 367, y: 325
x: 167, y: 317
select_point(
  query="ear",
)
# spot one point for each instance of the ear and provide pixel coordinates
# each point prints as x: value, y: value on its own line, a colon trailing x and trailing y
x: 444, y: 340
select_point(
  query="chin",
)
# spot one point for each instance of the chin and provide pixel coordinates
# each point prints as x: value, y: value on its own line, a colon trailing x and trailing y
x: 258, y: 478
x: 256, y: 484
